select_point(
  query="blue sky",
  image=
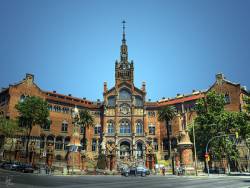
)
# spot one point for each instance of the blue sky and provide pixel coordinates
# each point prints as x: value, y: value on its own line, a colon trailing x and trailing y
x: 177, y: 45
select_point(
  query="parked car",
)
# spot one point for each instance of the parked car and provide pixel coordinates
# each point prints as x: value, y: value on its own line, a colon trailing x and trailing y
x: 137, y: 170
x: 26, y: 168
x: 10, y: 165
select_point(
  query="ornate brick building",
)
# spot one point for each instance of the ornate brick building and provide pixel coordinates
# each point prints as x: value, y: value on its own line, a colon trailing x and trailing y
x: 126, y: 125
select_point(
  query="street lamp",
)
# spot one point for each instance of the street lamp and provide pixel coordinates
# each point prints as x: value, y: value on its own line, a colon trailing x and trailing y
x: 195, y: 155
x: 222, y: 135
x: 74, y: 140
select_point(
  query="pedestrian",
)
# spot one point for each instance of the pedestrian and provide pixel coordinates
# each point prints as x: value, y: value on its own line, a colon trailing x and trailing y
x: 163, y: 171
x: 46, y: 169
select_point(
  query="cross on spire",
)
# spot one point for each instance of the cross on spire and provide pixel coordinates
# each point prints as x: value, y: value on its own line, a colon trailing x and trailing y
x: 123, y: 33
x: 123, y: 25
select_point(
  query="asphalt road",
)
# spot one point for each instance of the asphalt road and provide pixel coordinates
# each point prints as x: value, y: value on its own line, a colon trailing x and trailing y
x: 20, y: 180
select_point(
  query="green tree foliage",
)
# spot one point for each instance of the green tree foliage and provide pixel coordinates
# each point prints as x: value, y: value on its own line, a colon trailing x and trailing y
x: 212, y: 120
x: 167, y: 114
x: 32, y: 111
x: 247, y: 106
x: 86, y: 121
x: 9, y: 129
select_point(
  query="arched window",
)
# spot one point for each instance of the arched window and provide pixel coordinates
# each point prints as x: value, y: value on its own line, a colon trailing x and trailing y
x: 94, y: 144
x: 59, y: 143
x: 227, y: 98
x: 98, y: 130
x: 155, y: 143
x: 138, y: 101
x: 66, y: 142
x: 125, y: 127
x: 139, y: 150
x: 50, y: 107
x: 50, y: 139
x: 82, y: 129
x: 42, y: 141
x: 64, y: 126
x: 22, y: 98
x: 165, y: 144
x: 174, y: 142
x: 46, y: 125
x: 110, y: 126
x: 124, y: 94
x: 151, y: 129
x: 111, y: 101
x: 139, y: 128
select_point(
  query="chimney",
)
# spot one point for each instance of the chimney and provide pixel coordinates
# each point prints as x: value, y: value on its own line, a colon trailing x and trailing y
x: 69, y: 95
x: 219, y: 78
x: 244, y: 88
x: 143, y: 88
x: 105, y: 87
x: 54, y: 91
x: 29, y: 77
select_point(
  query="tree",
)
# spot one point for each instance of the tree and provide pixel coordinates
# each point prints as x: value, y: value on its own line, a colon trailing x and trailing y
x: 167, y: 114
x: 247, y: 101
x: 212, y: 120
x: 9, y: 129
x: 101, y: 163
x: 208, y: 111
x: 32, y: 111
x: 86, y: 121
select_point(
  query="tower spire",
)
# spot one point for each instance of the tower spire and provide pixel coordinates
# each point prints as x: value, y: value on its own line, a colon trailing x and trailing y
x: 124, y: 48
x: 123, y: 33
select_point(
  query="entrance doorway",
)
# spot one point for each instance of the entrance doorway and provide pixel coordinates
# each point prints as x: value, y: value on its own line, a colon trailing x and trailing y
x: 124, y: 149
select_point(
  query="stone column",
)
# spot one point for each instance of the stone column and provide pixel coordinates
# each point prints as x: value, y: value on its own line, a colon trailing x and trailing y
x: 97, y: 145
x: 185, y: 148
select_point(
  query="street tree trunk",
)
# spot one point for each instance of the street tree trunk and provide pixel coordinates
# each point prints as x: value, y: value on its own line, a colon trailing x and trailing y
x: 169, y: 140
x: 27, y: 144
x: 84, y: 138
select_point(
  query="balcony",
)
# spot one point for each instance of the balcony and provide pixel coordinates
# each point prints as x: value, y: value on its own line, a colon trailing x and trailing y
x: 139, y: 134
x: 110, y: 134
x: 125, y: 134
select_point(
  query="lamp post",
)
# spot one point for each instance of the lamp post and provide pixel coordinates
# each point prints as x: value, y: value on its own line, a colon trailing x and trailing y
x: 74, y: 140
x: 224, y: 135
x: 195, y: 156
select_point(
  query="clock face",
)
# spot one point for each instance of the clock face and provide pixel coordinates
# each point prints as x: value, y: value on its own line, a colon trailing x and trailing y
x: 124, y: 109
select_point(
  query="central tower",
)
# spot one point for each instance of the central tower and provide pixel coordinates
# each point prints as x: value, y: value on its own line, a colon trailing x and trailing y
x: 124, y: 113
x: 124, y: 70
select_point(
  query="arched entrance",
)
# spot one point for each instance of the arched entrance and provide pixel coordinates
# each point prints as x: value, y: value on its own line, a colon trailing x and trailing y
x: 124, y: 149
x: 139, y: 150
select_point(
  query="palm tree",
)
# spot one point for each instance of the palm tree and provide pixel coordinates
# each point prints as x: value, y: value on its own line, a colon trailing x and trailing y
x: 167, y: 114
x: 86, y: 121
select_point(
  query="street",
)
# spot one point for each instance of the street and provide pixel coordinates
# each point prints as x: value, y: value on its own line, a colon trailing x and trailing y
x: 21, y: 180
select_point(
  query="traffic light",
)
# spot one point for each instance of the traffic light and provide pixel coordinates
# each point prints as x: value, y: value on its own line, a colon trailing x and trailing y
x: 236, y: 135
x: 207, y: 157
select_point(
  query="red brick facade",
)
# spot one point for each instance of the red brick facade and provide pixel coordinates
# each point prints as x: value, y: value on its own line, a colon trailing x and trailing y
x: 129, y: 125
